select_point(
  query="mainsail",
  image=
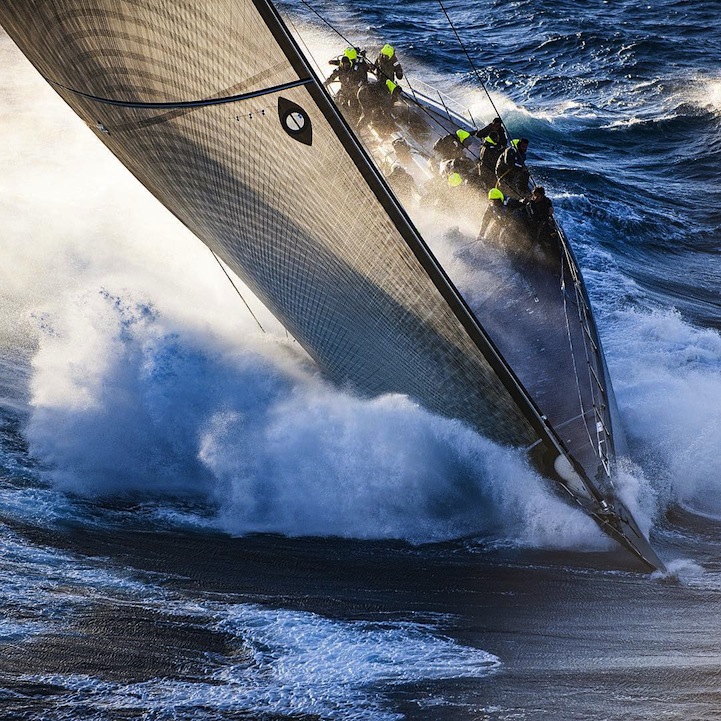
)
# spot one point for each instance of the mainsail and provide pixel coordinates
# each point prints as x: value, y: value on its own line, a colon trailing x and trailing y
x: 217, y: 112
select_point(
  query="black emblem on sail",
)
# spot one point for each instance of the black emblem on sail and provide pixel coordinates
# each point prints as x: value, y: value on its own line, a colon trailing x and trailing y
x: 295, y: 121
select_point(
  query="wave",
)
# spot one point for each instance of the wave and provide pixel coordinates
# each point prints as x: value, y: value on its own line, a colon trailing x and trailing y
x: 705, y: 94
x: 153, y: 410
x: 264, y: 660
x: 285, y: 663
x: 669, y: 388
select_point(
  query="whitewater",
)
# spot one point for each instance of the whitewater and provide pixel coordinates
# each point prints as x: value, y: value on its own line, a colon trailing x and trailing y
x: 173, y: 466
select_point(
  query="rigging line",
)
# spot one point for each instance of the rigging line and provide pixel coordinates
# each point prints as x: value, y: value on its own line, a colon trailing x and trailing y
x: 334, y: 29
x: 564, y: 260
x: 240, y: 295
x: 477, y: 73
x: 183, y: 103
x: 602, y: 435
x: 470, y: 60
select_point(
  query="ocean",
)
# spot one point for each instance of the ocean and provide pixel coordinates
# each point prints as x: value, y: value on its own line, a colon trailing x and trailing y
x: 194, y: 524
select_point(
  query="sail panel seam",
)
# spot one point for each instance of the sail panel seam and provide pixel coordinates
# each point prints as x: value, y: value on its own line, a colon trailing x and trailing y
x: 184, y: 103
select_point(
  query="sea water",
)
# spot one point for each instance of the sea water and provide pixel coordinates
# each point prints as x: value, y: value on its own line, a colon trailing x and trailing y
x: 195, y: 525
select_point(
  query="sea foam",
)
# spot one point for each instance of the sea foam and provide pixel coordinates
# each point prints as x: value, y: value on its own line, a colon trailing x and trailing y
x: 126, y: 403
x: 289, y: 663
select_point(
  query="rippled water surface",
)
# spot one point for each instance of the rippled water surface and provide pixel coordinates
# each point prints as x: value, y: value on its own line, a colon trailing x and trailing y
x: 194, y: 525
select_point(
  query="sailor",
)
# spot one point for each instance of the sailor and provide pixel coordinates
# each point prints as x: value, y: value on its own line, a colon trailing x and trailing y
x: 464, y: 166
x: 442, y: 190
x: 343, y: 66
x: 451, y: 193
x: 511, y: 166
x: 358, y: 72
x: 500, y: 213
x: 539, y: 210
x: 454, y: 199
x: 491, y: 150
x: 452, y: 146
x: 469, y: 201
x: 387, y: 66
x: 402, y: 151
x: 455, y: 184
x: 376, y: 101
x: 347, y: 95
x: 359, y: 65
x: 495, y: 126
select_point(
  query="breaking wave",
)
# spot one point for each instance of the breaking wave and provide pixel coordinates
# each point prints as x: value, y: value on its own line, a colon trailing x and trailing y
x: 152, y: 410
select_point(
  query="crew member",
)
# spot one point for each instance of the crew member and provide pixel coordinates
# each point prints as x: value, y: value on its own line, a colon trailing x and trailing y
x: 402, y: 151
x: 495, y: 126
x: 343, y: 74
x: 464, y: 167
x: 491, y: 150
x: 539, y: 209
x: 387, y: 66
x: 376, y: 101
x: 451, y: 192
x: 500, y: 213
x: 402, y: 183
x: 451, y: 146
x: 511, y: 166
x: 359, y: 66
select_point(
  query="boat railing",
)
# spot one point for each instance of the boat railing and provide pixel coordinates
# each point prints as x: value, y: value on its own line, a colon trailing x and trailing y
x: 599, y: 400
x: 446, y: 104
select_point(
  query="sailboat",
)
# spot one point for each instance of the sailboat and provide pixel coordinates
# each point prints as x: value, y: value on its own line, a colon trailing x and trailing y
x: 219, y: 113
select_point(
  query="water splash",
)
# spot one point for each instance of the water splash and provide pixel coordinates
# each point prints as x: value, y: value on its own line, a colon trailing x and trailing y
x: 669, y: 394
x: 680, y: 572
x: 125, y: 402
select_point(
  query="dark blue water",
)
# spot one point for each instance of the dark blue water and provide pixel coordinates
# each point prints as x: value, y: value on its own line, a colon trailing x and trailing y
x: 194, y: 525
